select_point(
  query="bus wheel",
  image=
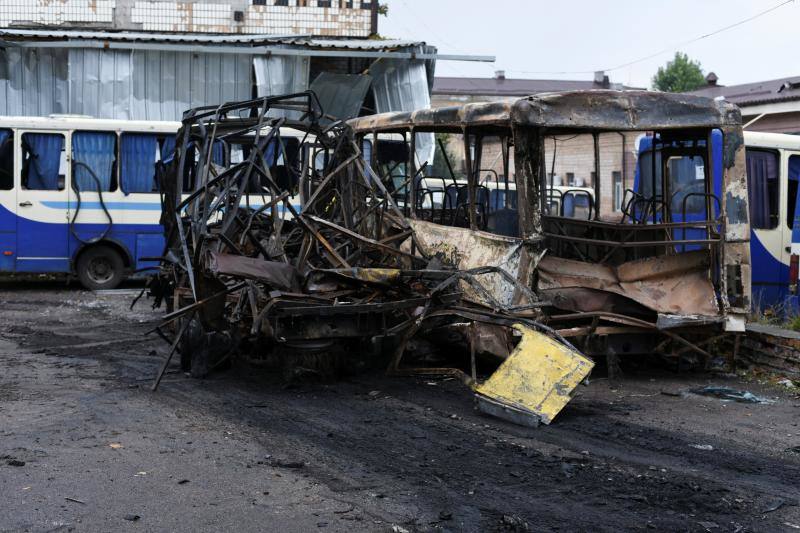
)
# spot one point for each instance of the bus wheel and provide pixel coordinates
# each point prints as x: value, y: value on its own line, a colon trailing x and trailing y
x: 100, y: 268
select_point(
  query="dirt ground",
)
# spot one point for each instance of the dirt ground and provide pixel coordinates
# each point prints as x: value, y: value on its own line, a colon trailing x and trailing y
x: 242, y: 452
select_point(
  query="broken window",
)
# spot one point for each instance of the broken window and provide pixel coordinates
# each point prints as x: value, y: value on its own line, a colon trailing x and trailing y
x: 570, y: 167
x: 682, y: 159
x: 443, y: 193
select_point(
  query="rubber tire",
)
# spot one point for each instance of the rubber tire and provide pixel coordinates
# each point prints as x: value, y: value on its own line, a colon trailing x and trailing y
x: 96, y: 252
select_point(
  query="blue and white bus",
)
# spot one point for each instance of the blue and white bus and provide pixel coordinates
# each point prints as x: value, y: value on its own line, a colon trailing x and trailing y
x: 773, y: 175
x: 79, y: 196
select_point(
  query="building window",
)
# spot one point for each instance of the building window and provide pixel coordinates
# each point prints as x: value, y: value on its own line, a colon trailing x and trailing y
x: 570, y: 179
x: 618, y: 191
x: 323, y: 3
x: 260, y: 2
x: 366, y: 5
x: 282, y: 3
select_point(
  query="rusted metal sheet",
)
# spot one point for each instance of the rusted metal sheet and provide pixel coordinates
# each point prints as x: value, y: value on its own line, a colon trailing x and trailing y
x: 736, y: 281
x: 535, y: 382
x: 465, y: 249
x: 281, y: 275
x: 585, y: 110
x: 673, y: 284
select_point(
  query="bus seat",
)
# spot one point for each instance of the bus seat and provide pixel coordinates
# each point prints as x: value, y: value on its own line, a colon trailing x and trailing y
x: 504, y: 222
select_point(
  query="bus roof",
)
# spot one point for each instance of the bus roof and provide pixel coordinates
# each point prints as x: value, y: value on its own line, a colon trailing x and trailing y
x: 772, y: 140
x: 82, y: 122
x: 755, y: 139
x: 600, y: 110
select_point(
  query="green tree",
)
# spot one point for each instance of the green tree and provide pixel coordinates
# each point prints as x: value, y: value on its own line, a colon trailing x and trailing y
x: 679, y: 75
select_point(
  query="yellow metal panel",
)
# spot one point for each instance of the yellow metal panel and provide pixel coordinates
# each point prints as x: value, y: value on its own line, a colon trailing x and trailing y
x: 538, y: 377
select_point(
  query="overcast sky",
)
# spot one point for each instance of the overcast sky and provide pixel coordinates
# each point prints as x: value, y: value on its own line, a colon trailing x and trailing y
x: 569, y: 39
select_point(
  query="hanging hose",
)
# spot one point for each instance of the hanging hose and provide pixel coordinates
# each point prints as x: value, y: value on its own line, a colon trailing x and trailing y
x: 75, y: 188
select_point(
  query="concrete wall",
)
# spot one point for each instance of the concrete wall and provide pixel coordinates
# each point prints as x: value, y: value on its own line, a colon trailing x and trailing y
x: 771, y: 349
x: 343, y: 18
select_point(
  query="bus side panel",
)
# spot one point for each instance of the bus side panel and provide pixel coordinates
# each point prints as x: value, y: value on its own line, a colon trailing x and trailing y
x: 8, y: 235
x: 124, y: 235
x: 148, y: 245
x: 770, y: 276
x: 41, y: 246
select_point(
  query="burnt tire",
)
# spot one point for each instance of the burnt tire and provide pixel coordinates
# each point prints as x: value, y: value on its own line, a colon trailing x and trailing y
x: 100, y: 268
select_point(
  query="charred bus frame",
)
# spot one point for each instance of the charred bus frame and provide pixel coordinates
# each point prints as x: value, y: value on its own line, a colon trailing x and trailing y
x: 611, y: 284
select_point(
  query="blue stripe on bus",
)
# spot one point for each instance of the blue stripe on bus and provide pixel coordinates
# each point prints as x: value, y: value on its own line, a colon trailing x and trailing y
x: 128, y: 206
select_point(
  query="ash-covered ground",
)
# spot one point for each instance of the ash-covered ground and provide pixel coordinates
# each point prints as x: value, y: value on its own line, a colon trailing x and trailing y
x: 86, y: 446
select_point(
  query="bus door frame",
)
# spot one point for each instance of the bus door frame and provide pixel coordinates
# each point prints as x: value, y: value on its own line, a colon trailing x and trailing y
x: 43, y: 246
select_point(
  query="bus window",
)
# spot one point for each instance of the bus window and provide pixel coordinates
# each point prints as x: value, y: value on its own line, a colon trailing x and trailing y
x: 93, y: 160
x: 138, y: 156
x: 43, y: 161
x: 392, y: 161
x: 687, y: 183
x: 6, y: 160
x: 646, y: 174
x: 237, y: 154
x: 762, y: 183
x: 366, y: 150
x: 167, y: 148
x: 791, y: 199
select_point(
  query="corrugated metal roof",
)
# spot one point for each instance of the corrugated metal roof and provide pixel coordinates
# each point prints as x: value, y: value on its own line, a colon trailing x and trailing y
x: 357, y: 44
x: 202, y: 38
x: 759, y: 92
x: 145, y: 36
x: 509, y: 86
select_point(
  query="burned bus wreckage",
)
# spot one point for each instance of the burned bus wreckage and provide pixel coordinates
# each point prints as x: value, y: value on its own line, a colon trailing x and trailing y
x: 296, y: 240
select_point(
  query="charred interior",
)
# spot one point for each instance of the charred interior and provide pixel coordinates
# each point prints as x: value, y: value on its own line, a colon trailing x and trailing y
x: 658, y: 246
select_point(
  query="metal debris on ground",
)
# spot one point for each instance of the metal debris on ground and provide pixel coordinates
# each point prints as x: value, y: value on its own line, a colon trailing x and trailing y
x: 727, y: 393
x: 285, y: 247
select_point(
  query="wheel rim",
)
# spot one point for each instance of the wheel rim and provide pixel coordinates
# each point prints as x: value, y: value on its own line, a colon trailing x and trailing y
x: 100, y: 270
